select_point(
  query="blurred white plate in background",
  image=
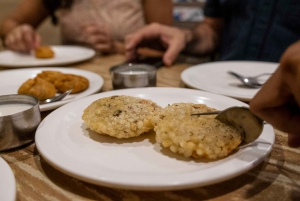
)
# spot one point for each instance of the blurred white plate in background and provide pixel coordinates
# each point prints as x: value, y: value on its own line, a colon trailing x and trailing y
x: 213, y: 77
x: 64, y: 55
x: 8, y: 189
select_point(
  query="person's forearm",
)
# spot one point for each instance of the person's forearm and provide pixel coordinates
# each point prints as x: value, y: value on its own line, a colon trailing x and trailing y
x: 7, y: 26
x: 205, y: 39
x: 31, y: 12
x: 160, y: 11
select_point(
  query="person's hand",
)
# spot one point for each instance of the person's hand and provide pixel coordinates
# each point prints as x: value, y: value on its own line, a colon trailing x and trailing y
x: 278, y: 101
x: 172, y: 39
x: 22, y: 38
x: 99, y: 37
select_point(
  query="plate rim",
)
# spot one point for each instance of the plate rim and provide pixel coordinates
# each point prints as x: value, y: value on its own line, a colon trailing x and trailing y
x: 91, y: 51
x: 10, y: 195
x: 185, y: 72
x: 139, y: 186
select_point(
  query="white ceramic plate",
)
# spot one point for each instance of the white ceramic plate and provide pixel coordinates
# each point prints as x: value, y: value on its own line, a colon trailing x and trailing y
x: 11, y: 80
x: 138, y: 163
x: 213, y: 77
x: 7, y: 182
x: 63, y: 55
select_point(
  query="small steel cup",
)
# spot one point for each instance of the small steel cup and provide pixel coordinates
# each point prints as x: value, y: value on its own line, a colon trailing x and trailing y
x: 18, y: 129
x: 133, y: 76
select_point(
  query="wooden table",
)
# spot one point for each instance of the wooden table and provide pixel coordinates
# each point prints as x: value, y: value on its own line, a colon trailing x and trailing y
x: 277, y: 178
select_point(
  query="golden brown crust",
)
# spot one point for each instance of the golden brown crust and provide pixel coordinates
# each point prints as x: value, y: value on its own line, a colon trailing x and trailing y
x: 44, y: 52
x: 195, y: 136
x: 120, y: 116
x: 38, y: 87
x: 50, y: 76
x: 66, y: 82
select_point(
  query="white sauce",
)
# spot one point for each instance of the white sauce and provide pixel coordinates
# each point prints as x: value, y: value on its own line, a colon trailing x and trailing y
x: 9, y: 109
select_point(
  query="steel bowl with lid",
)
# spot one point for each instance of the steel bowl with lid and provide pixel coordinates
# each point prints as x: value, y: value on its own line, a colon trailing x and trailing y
x: 133, y: 76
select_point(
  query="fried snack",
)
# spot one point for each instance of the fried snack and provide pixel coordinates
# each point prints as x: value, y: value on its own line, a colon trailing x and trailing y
x: 50, y: 76
x: 38, y: 87
x: 120, y: 116
x: 69, y: 81
x: 195, y: 136
x: 147, y: 52
x: 44, y: 52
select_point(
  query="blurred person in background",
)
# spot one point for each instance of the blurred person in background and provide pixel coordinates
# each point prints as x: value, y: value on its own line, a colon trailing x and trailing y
x: 265, y: 30
x: 234, y: 29
x: 100, y: 24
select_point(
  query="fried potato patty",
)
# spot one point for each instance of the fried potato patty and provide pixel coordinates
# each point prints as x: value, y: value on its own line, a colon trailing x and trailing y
x: 120, y: 116
x: 50, y: 76
x: 44, y: 52
x: 66, y: 82
x: 195, y: 136
x: 37, y: 87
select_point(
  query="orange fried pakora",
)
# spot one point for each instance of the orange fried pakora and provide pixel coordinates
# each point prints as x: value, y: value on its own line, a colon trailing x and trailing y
x: 69, y: 81
x: 44, y: 52
x: 50, y: 76
x: 38, y: 87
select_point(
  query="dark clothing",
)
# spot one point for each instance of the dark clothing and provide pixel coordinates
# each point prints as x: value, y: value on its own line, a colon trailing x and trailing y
x: 53, y: 5
x: 258, y: 30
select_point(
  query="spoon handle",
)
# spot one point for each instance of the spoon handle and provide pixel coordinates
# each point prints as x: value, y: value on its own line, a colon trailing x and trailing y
x: 236, y: 75
x: 56, y: 98
x: 206, y: 113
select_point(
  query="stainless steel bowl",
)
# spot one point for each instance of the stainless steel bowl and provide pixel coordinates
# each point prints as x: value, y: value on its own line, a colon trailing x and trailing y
x: 133, y: 76
x: 19, y: 117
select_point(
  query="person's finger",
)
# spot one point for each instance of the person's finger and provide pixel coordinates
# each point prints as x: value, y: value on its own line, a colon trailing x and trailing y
x: 13, y: 41
x: 86, y: 25
x: 31, y: 37
x: 276, y: 102
x: 273, y: 104
x: 102, y: 47
x: 294, y: 140
x: 9, y: 41
x: 37, y: 41
x: 129, y: 53
x: 174, y: 48
x: 28, y: 38
x: 283, y: 118
x: 148, y: 32
x: 19, y: 43
x: 97, y: 39
x: 94, y: 30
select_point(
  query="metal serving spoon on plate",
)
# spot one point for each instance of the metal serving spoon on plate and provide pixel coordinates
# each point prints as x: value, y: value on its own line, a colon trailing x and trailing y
x: 240, y: 117
x: 56, y: 98
x: 250, y: 81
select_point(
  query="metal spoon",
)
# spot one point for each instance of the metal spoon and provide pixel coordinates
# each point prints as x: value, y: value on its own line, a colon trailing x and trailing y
x: 243, y: 118
x: 250, y: 81
x: 56, y: 98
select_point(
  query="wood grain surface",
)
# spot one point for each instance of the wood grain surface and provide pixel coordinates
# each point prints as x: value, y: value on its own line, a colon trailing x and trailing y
x: 276, y: 178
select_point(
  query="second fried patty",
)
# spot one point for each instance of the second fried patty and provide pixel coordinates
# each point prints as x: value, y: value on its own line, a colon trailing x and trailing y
x: 195, y: 136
